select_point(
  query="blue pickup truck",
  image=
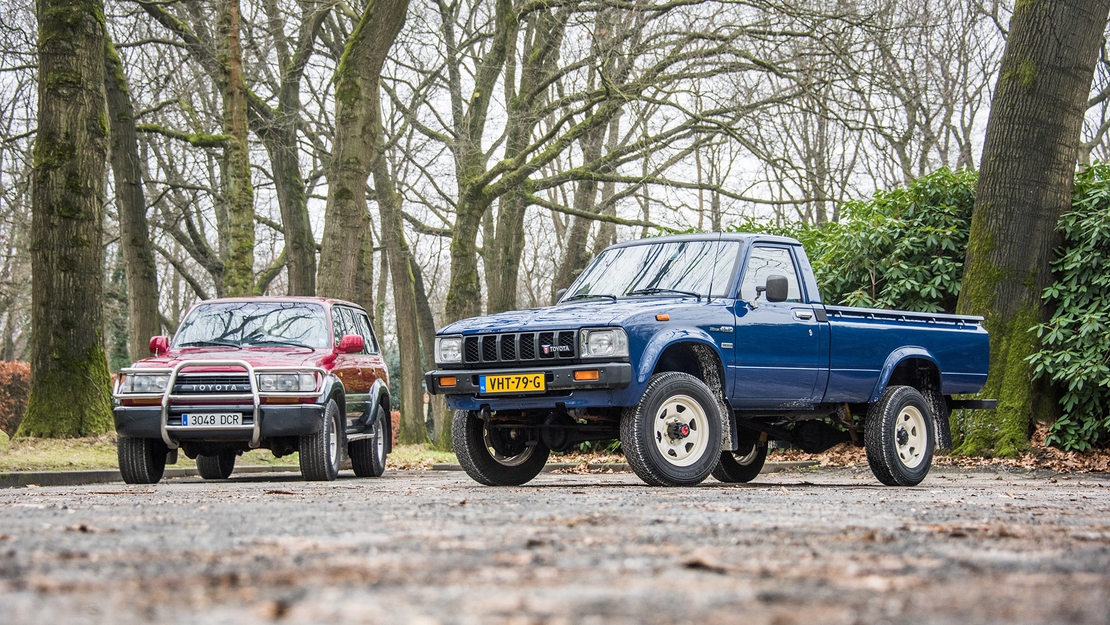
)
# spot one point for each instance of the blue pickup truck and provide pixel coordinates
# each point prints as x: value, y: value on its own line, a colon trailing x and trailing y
x: 696, y: 351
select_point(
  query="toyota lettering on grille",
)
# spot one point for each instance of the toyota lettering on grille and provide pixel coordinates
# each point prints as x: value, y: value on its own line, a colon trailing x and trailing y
x: 547, y: 349
x: 214, y: 388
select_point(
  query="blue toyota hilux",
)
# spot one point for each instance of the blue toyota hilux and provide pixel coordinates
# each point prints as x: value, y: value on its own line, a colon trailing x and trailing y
x: 696, y: 351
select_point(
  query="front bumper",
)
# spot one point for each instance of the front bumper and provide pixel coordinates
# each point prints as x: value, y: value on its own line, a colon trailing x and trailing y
x: 558, y: 380
x: 274, y: 421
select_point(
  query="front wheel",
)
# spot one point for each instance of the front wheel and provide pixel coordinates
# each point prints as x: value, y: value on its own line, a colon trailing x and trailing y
x: 496, y: 456
x: 218, y: 467
x: 319, y: 452
x: 743, y: 465
x: 141, y: 460
x: 898, y: 436
x: 672, y: 437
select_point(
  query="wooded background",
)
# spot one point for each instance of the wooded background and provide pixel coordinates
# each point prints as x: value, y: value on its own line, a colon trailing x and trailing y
x: 433, y: 160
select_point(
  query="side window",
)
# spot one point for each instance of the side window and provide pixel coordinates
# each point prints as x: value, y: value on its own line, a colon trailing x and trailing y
x: 349, y: 322
x: 768, y: 261
x: 367, y: 332
x: 338, y: 324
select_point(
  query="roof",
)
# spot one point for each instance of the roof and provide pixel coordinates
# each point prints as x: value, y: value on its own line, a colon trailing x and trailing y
x: 711, y: 236
x: 304, y: 299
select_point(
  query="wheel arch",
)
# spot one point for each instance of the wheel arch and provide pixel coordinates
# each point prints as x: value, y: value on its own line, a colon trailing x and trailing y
x: 698, y: 356
x: 908, y: 366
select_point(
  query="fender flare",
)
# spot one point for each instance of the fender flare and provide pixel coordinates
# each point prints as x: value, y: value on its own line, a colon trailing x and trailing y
x: 333, y: 387
x: 659, y: 343
x: 896, y: 358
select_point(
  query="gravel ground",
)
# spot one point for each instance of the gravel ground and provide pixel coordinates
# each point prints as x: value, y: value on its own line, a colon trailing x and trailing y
x: 812, y: 546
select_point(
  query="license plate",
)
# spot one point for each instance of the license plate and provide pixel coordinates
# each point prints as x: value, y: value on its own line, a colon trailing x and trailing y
x: 212, y: 420
x: 515, y: 383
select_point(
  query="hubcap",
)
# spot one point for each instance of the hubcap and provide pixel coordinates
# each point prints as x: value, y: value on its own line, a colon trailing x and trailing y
x: 748, y: 458
x: 502, y: 459
x: 333, y: 445
x: 910, y: 436
x: 379, y: 440
x: 681, y: 430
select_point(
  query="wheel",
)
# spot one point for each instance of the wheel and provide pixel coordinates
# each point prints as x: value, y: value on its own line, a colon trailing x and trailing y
x: 898, y: 436
x: 495, y: 456
x: 368, y: 454
x: 672, y: 437
x: 218, y: 467
x: 741, y: 465
x: 141, y: 460
x: 941, y: 426
x: 319, y: 452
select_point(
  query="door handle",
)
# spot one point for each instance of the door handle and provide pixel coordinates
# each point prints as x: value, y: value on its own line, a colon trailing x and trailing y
x: 803, y: 315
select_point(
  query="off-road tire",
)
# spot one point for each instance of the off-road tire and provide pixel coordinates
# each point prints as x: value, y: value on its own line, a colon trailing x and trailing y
x: 218, y: 467
x: 941, y: 425
x: 141, y: 460
x: 368, y: 454
x: 670, y: 397
x: 741, y: 466
x: 900, y: 412
x: 320, y: 452
x: 469, y: 436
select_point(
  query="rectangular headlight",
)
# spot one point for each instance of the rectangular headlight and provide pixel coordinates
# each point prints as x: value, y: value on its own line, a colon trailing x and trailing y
x: 286, y: 382
x: 141, y: 383
x: 448, y: 349
x: 604, y: 343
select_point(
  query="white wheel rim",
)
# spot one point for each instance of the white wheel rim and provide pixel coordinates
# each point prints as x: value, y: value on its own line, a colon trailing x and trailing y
x: 910, y: 436
x: 508, y: 461
x: 333, y: 446
x: 379, y: 440
x: 747, y: 458
x: 681, y: 451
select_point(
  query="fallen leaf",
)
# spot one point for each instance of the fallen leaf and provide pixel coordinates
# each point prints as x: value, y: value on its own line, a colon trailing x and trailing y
x: 703, y: 564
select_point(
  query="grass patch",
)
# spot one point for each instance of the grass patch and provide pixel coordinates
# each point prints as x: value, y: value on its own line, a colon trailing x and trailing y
x: 417, y: 457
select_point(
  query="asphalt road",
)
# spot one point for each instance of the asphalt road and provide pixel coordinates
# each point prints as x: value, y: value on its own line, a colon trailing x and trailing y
x: 826, y: 546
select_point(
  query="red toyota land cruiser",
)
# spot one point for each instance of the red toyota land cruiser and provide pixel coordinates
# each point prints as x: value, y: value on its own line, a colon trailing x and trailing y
x: 287, y: 374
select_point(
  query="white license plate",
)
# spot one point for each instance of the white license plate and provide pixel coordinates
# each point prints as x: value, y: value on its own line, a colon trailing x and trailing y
x: 212, y: 420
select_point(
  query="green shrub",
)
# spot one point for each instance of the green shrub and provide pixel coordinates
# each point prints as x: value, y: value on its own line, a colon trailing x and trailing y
x: 901, y: 249
x: 1075, y: 343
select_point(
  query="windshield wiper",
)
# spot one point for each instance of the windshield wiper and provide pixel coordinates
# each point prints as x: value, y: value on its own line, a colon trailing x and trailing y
x: 273, y: 342
x: 211, y: 344
x: 656, y: 291
x: 589, y: 295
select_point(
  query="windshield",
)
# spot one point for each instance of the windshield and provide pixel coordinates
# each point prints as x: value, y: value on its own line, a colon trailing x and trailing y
x: 237, y: 324
x: 682, y: 268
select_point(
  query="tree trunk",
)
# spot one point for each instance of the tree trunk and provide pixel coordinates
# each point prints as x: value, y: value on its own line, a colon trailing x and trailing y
x: 441, y: 425
x: 239, y: 264
x: 69, y: 371
x: 1025, y: 185
x: 356, y: 85
x: 142, y: 274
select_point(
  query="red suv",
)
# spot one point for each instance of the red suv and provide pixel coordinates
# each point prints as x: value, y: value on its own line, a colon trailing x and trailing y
x: 287, y: 374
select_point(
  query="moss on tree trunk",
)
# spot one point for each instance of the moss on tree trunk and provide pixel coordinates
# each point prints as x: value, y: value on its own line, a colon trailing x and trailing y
x: 1025, y: 185
x: 69, y: 369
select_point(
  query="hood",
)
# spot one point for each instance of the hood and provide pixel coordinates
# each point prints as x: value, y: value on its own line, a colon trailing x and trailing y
x: 255, y: 356
x: 593, y: 312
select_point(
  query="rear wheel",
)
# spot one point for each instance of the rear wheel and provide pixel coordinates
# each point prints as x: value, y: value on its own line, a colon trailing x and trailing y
x: 319, y: 452
x: 742, y: 465
x: 141, y: 460
x: 496, y: 456
x: 218, y: 467
x: 898, y: 436
x: 672, y: 437
x: 368, y: 454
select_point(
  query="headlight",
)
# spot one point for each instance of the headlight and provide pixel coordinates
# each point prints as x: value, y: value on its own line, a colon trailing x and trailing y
x: 604, y: 343
x: 286, y: 382
x: 144, y: 383
x: 448, y: 349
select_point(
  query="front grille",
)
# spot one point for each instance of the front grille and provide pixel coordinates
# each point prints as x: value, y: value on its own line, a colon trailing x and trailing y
x: 212, y: 384
x: 520, y: 348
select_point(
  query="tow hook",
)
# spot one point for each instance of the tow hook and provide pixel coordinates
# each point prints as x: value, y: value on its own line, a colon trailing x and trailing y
x: 678, y: 431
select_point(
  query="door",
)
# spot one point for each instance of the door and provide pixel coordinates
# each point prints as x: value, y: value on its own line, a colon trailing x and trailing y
x: 780, y: 347
x: 348, y: 367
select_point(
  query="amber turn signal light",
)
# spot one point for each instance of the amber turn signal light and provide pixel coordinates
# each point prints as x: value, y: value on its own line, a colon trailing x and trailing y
x: 663, y: 317
x: 448, y: 381
x: 589, y: 375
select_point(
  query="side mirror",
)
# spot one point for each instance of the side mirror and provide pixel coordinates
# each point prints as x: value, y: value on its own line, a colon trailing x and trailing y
x: 351, y: 344
x: 559, y: 294
x: 159, y: 345
x: 777, y: 289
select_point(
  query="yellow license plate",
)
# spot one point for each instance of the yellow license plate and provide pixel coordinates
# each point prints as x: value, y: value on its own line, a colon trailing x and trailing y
x: 515, y: 383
